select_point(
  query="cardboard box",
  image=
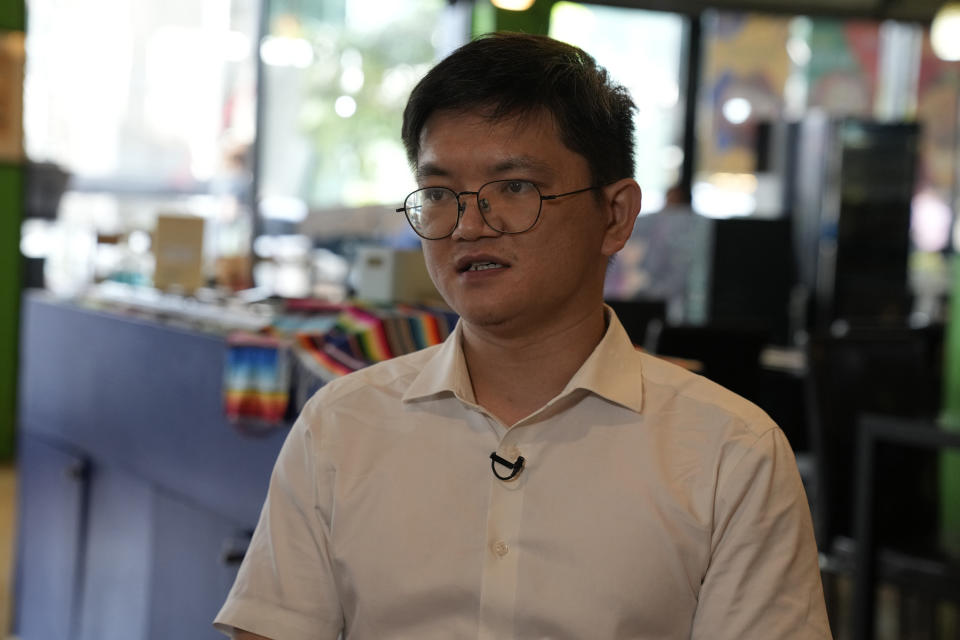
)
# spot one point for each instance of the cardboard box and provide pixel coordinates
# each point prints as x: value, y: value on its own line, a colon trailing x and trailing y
x: 178, y: 247
x: 386, y: 275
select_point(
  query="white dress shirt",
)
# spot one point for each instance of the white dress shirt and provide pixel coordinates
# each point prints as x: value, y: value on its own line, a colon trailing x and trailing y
x: 652, y: 504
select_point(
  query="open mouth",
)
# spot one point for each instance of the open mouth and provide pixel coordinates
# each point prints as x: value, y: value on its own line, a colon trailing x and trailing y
x: 482, y: 266
x: 467, y: 264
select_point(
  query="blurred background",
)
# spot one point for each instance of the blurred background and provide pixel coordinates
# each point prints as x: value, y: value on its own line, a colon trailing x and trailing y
x: 198, y: 228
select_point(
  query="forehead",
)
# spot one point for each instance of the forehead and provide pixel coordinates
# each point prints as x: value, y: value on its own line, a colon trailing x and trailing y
x: 491, y: 117
x: 456, y: 139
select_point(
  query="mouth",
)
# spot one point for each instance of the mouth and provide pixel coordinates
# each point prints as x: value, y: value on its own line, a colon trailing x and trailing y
x: 479, y: 263
x: 483, y: 266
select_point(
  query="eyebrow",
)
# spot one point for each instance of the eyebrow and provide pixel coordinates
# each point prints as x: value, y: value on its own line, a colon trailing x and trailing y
x: 512, y: 163
x: 430, y: 170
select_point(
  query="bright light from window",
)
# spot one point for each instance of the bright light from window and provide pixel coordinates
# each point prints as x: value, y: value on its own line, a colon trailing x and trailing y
x: 397, y: 84
x: 669, y: 95
x: 139, y: 241
x: 930, y: 226
x: 799, y: 51
x: 945, y: 32
x: 742, y: 182
x: 513, y: 5
x: 236, y: 46
x: 737, y: 110
x: 351, y: 81
x: 351, y: 58
x: 286, y: 208
x: 725, y: 196
x: 280, y: 51
x: 672, y: 157
x: 345, y: 106
x: 35, y: 238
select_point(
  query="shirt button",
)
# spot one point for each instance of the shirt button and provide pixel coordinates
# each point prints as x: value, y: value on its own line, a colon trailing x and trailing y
x: 513, y: 453
x: 501, y: 548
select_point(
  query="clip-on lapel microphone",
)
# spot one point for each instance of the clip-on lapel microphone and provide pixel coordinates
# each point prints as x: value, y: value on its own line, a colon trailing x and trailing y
x: 515, y: 467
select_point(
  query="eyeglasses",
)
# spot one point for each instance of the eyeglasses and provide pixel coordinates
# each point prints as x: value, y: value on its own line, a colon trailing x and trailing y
x: 507, y: 206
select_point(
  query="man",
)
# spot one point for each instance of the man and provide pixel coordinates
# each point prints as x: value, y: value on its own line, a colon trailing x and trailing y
x: 534, y: 476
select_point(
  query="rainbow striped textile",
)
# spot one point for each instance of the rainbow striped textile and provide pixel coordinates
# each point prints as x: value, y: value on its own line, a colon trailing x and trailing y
x: 256, y: 378
x: 269, y: 376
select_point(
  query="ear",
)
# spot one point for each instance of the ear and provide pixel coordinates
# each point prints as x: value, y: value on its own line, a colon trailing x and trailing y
x: 623, y: 199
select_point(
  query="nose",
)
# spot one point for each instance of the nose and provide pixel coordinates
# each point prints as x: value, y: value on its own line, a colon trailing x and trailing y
x: 472, y: 224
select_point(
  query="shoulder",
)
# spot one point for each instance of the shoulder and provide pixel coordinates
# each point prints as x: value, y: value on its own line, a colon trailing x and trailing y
x: 671, y: 388
x: 391, y: 377
x: 732, y: 444
x: 359, y: 406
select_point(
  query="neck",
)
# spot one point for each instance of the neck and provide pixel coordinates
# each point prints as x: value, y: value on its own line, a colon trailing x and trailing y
x: 514, y: 375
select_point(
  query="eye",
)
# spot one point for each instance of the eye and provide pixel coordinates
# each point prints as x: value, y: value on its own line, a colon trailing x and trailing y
x: 435, y: 195
x: 515, y: 187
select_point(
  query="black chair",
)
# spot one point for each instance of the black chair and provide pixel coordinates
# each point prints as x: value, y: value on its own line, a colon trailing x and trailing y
x: 635, y: 315
x: 891, y: 372
x: 933, y: 579
x: 730, y: 355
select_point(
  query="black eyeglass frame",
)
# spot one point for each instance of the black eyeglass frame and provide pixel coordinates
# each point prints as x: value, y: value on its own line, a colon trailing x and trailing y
x: 461, y: 207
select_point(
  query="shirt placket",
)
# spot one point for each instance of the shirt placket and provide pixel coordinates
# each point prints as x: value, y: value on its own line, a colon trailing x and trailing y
x: 498, y: 593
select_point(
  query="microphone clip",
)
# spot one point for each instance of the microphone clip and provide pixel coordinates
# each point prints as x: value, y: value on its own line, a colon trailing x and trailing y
x: 515, y: 467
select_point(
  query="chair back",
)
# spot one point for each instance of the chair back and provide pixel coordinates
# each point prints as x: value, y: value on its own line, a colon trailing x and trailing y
x: 888, y: 371
x: 730, y: 355
x: 635, y: 315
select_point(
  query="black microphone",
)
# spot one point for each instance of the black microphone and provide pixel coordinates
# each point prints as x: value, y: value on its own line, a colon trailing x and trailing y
x: 515, y: 467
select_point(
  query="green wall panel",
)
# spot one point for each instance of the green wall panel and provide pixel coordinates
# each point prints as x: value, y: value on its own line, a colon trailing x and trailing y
x: 12, y: 18
x: 536, y: 19
x: 12, y: 14
x: 950, y: 460
x: 11, y: 199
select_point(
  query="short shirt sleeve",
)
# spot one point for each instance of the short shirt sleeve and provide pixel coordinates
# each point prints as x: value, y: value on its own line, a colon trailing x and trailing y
x: 285, y: 588
x: 763, y: 580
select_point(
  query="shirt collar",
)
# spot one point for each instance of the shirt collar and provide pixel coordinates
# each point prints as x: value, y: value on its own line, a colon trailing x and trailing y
x: 445, y: 372
x: 612, y: 371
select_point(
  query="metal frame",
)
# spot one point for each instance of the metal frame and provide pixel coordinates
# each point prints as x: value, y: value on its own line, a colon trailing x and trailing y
x: 873, y: 431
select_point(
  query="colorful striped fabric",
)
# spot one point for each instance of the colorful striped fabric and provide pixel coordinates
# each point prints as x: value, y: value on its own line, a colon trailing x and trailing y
x: 256, y: 378
x: 271, y: 375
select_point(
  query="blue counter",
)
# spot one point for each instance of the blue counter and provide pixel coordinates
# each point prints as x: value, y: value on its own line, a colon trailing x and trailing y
x: 136, y: 494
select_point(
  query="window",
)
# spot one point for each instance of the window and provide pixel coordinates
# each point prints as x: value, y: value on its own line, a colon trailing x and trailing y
x: 335, y: 84
x: 145, y: 97
x: 146, y: 108
x: 642, y: 50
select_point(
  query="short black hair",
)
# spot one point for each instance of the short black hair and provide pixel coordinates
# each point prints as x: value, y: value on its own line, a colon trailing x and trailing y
x: 503, y: 75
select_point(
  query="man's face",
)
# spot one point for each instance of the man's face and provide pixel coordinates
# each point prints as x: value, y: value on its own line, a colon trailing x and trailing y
x: 547, y: 276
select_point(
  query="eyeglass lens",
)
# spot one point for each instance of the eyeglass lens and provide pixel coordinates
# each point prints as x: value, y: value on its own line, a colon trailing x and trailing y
x: 508, y: 206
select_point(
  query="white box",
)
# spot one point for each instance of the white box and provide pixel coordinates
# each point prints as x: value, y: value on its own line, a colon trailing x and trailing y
x: 385, y: 275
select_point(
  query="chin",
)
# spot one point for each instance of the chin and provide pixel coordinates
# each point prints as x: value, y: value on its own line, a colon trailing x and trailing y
x: 483, y: 315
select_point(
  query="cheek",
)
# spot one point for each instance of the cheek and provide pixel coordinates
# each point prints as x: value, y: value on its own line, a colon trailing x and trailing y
x: 432, y: 256
x: 579, y: 241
